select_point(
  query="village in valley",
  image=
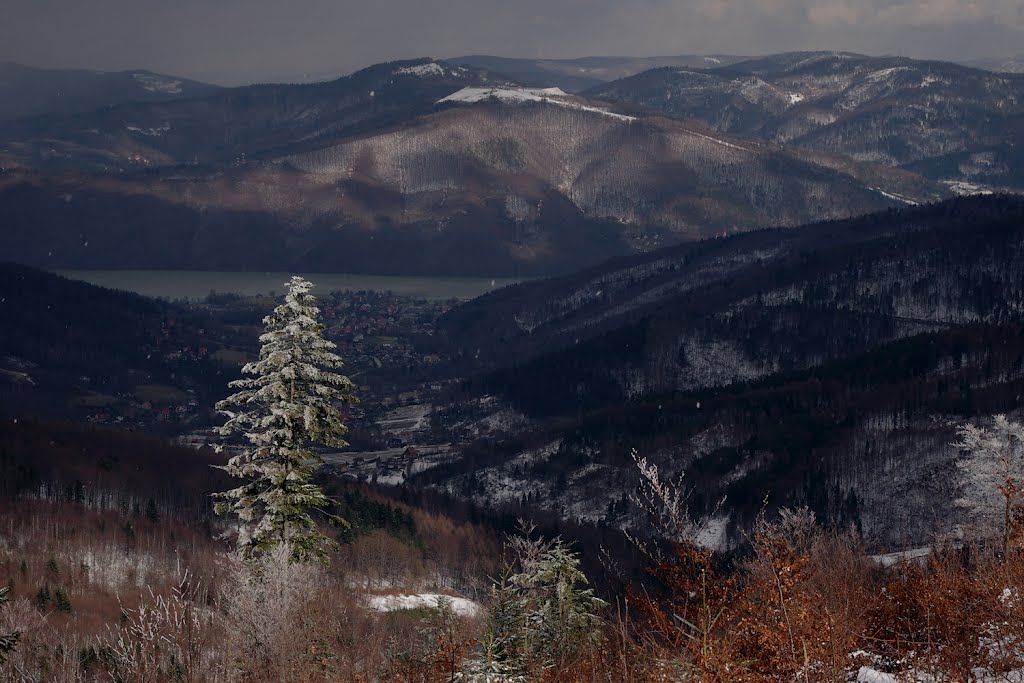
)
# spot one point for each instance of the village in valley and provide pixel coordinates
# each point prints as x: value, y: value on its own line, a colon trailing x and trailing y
x: 383, y: 338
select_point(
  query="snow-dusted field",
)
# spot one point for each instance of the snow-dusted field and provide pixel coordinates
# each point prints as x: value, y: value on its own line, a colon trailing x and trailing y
x: 868, y: 675
x: 393, y: 603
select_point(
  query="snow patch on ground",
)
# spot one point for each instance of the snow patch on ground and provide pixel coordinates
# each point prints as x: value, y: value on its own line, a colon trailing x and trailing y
x: 431, y: 69
x: 885, y: 73
x: 554, y: 96
x: 17, y: 376
x: 795, y: 98
x: 721, y: 142
x: 537, y: 455
x: 712, y: 533
x: 393, y: 603
x: 890, y: 559
x: 869, y: 675
x: 505, y: 420
x: 962, y: 187
x: 406, y: 420
x: 160, y: 84
x: 586, y: 471
x: 866, y: 674
x: 895, y: 197
x: 152, y: 132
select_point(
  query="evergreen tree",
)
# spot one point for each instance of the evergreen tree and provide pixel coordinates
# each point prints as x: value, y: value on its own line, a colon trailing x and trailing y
x: 504, y: 632
x: 7, y: 640
x: 62, y: 601
x: 543, y: 615
x: 563, y: 619
x: 288, y: 406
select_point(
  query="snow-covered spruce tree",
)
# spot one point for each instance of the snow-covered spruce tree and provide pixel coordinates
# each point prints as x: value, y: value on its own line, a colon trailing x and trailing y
x: 504, y: 632
x: 565, y: 621
x: 288, y: 406
x: 544, y: 615
x: 992, y: 473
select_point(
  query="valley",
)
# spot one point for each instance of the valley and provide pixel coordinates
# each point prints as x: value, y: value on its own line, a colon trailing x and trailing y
x: 748, y: 362
x: 697, y: 367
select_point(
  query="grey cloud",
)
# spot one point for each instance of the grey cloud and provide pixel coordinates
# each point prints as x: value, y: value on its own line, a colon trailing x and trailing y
x: 235, y: 41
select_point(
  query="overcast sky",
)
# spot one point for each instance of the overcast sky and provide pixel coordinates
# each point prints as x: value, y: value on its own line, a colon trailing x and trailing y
x: 241, y: 41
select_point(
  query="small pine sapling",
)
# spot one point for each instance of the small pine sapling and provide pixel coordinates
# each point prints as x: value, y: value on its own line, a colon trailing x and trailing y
x: 544, y: 615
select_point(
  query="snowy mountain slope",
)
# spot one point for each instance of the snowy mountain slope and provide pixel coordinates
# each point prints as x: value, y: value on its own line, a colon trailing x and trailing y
x: 822, y: 366
x: 944, y: 120
x: 233, y: 125
x: 777, y: 269
x: 646, y: 173
x: 496, y: 180
x: 417, y: 166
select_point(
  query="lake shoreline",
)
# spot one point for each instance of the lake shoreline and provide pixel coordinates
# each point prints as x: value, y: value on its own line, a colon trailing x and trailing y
x: 196, y: 285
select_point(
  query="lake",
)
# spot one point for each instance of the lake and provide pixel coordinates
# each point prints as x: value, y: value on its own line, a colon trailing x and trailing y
x: 196, y: 284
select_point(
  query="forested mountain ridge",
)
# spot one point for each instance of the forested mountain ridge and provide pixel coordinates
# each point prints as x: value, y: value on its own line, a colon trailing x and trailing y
x: 946, y: 121
x: 29, y: 91
x: 820, y: 366
x: 69, y: 349
x: 492, y: 184
x: 576, y: 75
x: 519, y: 322
x: 432, y: 167
x: 231, y: 125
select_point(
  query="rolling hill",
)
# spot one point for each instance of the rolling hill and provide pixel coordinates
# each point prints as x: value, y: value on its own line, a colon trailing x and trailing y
x: 231, y: 126
x: 495, y: 180
x: 576, y: 75
x: 822, y: 366
x: 948, y: 122
x: 27, y: 91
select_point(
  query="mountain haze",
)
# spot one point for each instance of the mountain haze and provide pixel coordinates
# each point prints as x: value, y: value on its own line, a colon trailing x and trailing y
x: 576, y: 75
x: 28, y: 91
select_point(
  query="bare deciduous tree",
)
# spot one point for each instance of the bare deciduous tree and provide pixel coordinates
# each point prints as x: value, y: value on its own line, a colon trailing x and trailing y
x: 992, y: 471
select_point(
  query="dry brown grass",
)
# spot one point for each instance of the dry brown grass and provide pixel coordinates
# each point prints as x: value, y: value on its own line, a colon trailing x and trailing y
x: 794, y: 610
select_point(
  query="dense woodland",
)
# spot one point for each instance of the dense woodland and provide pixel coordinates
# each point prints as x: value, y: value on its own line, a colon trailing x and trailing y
x: 69, y: 349
x: 823, y: 367
x: 939, y: 119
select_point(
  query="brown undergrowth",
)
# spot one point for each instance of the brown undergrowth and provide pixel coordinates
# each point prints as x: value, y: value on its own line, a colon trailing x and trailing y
x: 810, y: 605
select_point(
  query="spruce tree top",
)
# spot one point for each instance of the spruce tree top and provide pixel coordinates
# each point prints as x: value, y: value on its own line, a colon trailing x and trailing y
x: 282, y: 411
